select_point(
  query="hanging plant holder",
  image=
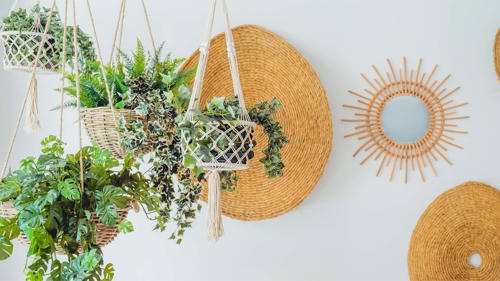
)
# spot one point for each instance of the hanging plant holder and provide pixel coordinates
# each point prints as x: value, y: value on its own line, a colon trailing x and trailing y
x: 21, y: 49
x: 230, y: 144
x: 105, y: 234
x: 101, y: 124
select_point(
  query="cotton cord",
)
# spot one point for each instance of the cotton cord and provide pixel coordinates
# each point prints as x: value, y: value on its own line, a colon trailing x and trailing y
x: 26, y: 97
x: 150, y: 30
x: 78, y: 102
x: 32, y: 119
x: 118, y: 31
x: 214, y: 223
x: 101, y: 60
x: 63, y: 69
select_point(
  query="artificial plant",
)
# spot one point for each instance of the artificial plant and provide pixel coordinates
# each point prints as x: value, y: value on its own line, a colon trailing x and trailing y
x: 22, y: 20
x: 224, y: 111
x: 150, y: 85
x: 56, y: 214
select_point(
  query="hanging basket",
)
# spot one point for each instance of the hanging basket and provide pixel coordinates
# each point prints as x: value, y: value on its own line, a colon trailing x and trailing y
x: 105, y: 234
x: 230, y: 145
x: 101, y: 124
x: 7, y: 210
x: 21, y: 48
x: 230, y: 142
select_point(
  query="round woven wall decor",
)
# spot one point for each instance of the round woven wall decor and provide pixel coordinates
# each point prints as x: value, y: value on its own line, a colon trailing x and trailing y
x: 496, y: 54
x: 392, y: 155
x: 270, y: 67
x: 460, y: 223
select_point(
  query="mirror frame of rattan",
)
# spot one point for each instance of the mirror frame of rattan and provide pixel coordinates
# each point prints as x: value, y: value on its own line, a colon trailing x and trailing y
x: 422, y: 154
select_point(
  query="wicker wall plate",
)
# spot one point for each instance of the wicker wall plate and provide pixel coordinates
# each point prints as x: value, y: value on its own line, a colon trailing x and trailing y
x: 462, y: 221
x: 101, y: 126
x: 270, y: 67
x: 496, y: 54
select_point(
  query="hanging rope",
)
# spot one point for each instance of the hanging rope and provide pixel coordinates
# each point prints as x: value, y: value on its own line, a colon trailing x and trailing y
x: 78, y: 102
x: 215, y: 227
x: 28, y: 93
x: 63, y: 69
x: 118, y: 31
x: 146, y: 15
x: 32, y: 119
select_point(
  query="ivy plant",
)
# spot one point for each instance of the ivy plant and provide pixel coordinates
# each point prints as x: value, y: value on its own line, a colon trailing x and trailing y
x: 225, y: 111
x: 54, y: 212
x: 22, y: 20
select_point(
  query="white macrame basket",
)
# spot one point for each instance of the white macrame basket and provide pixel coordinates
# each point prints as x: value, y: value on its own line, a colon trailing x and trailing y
x: 21, y: 48
x: 238, y: 135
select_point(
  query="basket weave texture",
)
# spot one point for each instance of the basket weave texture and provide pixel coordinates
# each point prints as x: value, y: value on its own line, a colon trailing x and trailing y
x: 270, y: 67
x: 21, y: 48
x: 105, y: 234
x: 462, y: 221
x: 496, y: 54
x: 102, y: 127
x: 7, y: 210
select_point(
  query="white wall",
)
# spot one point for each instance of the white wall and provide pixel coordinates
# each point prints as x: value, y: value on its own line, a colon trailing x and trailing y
x: 354, y: 226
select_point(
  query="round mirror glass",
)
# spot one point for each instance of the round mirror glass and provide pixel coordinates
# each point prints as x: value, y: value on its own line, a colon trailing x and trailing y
x: 405, y: 119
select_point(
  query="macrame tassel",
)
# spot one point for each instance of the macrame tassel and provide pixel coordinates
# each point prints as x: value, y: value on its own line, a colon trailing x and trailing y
x: 32, y: 120
x: 215, y: 227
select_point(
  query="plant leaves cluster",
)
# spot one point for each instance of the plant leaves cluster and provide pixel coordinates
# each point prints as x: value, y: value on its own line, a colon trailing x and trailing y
x: 54, y: 212
x: 22, y: 20
x: 225, y: 112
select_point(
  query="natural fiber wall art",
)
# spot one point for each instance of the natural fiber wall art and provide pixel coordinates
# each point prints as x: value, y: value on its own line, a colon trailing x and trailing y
x: 392, y: 155
x: 270, y: 67
x: 458, y: 236
x: 496, y: 54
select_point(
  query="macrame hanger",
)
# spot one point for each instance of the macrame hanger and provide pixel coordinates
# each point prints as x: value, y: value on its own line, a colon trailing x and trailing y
x: 214, y: 224
x: 32, y: 118
x: 27, y: 95
x: 204, y: 54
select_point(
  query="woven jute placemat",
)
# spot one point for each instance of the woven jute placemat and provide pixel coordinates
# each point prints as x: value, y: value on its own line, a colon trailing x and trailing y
x: 460, y: 223
x: 270, y: 67
x: 496, y: 54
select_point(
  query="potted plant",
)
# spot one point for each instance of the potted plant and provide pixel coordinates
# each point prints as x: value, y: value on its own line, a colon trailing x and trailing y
x: 215, y: 130
x: 134, y: 83
x: 22, y: 34
x: 57, y: 215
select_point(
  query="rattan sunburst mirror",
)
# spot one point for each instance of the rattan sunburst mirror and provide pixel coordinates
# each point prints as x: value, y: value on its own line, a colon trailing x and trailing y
x: 420, y: 149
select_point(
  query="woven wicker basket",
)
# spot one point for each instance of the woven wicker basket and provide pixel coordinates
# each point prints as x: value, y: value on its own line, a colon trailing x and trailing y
x: 102, y: 127
x: 105, y: 234
x: 7, y: 210
x: 21, y: 48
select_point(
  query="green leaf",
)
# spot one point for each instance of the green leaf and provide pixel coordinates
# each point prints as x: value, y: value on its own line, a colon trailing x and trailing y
x: 126, y: 226
x: 9, y: 228
x: 6, y: 248
x: 30, y: 218
x: 69, y: 189
x: 189, y: 161
x: 9, y: 188
x: 109, y: 272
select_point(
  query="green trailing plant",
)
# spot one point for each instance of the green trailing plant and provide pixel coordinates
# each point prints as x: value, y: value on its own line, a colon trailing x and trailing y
x: 155, y: 91
x: 55, y: 213
x: 22, y: 20
x: 150, y: 85
x: 223, y: 111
